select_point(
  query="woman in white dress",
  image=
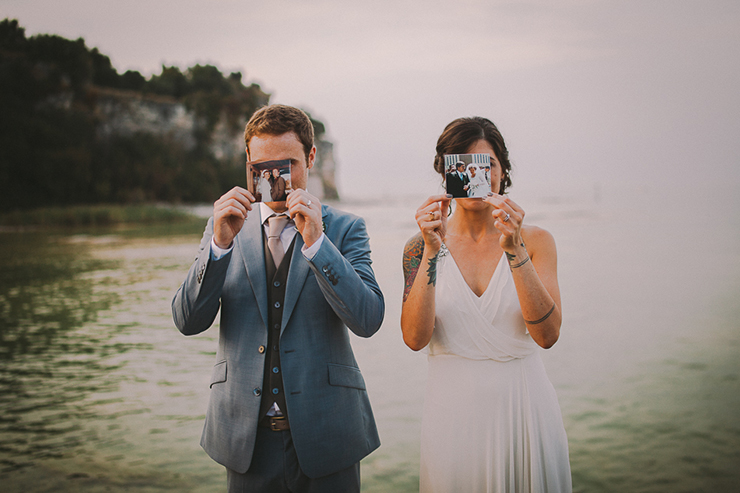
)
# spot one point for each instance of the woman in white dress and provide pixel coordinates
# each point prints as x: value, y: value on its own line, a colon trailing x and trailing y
x: 481, y: 297
x: 478, y: 184
x: 265, y: 186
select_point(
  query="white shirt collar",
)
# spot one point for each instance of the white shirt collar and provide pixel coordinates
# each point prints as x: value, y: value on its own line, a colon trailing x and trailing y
x: 266, y: 212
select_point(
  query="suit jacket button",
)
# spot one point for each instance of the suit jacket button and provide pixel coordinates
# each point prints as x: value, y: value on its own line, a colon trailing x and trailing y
x: 257, y: 392
x: 325, y: 268
x: 261, y: 349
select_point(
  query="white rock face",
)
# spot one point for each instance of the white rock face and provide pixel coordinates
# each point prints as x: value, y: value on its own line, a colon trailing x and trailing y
x: 126, y: 112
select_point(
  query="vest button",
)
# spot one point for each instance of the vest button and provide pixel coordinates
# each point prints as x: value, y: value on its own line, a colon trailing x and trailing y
x: 275, y: 391
x: 276, y: 284
x: 257, y: 392
x: 275, y: 348
x: 261, y: 349
x: 276, y: 326
x: 277, y: 304
x: 276, y: 370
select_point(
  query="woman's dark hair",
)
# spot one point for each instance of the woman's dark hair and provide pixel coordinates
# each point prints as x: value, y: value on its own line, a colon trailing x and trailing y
x: 459, y: 135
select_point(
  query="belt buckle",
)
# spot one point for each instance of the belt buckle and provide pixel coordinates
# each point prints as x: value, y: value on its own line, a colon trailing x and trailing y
x: 273, y: 422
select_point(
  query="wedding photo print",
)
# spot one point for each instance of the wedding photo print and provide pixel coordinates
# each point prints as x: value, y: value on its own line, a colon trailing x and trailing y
x: 269, y: 181
x: 468, y: 175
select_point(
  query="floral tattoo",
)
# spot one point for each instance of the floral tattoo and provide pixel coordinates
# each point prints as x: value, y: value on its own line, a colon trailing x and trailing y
x: 412, y: 257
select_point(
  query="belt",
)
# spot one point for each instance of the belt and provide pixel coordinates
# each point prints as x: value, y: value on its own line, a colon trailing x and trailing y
x: 275, y: 423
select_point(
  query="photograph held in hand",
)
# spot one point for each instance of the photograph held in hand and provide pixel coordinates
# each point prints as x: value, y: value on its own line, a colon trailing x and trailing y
x: 269, y: 181
x: 467, y: 175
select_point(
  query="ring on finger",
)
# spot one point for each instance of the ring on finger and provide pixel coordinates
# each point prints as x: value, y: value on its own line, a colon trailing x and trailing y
x: 309, y: 203
x: 431, y: 216
x: 506, y: 217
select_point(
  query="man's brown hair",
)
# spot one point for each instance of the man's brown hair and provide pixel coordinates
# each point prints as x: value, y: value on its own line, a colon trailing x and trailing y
x: 277, y: 119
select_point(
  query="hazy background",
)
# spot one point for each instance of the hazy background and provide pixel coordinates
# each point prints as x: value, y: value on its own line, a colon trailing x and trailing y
x: 587, y: 93
x: 623, y: 123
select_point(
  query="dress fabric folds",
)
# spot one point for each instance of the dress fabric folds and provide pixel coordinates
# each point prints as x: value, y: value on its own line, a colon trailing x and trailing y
x: 491, y: 419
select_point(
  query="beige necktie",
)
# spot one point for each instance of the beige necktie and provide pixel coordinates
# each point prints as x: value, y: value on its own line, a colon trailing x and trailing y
x: 276, y: 225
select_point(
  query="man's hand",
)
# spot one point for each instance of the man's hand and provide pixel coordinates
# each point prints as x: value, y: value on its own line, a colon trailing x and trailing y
x: 229, y: 213
x: 305, y: 210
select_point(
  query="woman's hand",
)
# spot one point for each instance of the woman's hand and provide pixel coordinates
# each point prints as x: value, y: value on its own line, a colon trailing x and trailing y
x: 432, y: 220
x: 509, y: 219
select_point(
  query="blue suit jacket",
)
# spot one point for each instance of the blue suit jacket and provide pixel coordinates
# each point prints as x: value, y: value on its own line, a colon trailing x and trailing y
x: 330, y: 417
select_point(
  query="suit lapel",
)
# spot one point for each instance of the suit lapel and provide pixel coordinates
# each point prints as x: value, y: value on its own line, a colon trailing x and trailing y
x: 249, y: 242
x: 297, y: 274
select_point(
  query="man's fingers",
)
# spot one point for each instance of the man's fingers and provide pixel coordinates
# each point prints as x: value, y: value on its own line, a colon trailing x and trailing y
x: 231, y: 207
x: 239, y: 194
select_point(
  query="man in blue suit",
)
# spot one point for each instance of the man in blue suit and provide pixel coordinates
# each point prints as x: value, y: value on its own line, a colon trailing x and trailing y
x: 457, y: 181
x: 288, y: 409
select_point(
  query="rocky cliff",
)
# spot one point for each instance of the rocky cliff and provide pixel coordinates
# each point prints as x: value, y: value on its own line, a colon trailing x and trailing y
x: 127, y: 113
x: 76, y: 131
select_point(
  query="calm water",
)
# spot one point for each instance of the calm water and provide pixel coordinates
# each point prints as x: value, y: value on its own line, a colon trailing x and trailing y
x: 99, y: 392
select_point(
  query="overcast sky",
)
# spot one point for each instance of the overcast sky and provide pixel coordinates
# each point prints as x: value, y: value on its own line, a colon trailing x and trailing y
x: 583, y: 91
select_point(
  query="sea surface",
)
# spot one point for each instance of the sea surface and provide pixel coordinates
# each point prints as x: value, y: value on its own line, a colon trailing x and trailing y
x: 100, y: 392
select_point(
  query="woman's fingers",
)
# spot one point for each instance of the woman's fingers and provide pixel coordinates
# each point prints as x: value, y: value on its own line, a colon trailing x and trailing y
x: 505, y: 204
x: 509, y: 217
x: 432, y: 219
x: 505, y: 209
x: 502, y: 215
x: 431, y: 210
x: 433, y: 199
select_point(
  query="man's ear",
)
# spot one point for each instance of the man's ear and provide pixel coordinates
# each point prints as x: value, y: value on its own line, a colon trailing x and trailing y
x: 311, y: 157
x: 247, y: 151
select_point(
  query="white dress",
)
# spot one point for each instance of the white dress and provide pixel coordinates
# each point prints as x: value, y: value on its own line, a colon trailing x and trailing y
x: 478, y: 186
x: 491, y: 420
x: 265, y: 190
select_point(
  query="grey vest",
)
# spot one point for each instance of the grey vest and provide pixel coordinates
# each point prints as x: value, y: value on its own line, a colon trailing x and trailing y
x: 272, y: 383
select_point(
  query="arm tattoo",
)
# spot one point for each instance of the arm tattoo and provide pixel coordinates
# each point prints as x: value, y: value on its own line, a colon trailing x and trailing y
x: 512, y: 258
x: 412, y: 257
x: 514, y: 266
x: 547, y: 315
x: 432, y: 270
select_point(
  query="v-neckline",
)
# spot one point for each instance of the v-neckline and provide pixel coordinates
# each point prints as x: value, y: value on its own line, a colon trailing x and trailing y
x: 490, y: 281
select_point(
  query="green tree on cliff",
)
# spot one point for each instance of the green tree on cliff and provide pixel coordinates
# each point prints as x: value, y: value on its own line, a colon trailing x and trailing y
x: 51, y: 152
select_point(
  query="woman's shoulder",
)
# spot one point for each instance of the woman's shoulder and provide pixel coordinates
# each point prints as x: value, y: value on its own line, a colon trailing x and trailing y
x: 537, y: 238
